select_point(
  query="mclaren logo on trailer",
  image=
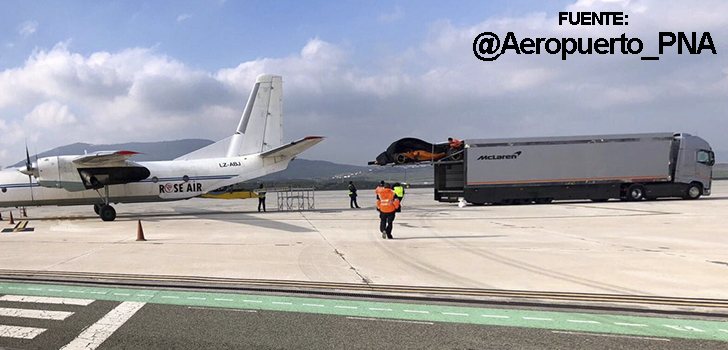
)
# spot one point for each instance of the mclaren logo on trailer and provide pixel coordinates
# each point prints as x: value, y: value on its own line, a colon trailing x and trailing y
x: 499, y: 156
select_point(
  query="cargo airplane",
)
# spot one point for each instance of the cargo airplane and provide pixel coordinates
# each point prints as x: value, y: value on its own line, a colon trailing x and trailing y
x: 102, y: 178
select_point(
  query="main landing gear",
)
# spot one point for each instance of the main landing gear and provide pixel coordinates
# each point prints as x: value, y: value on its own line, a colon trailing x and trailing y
x: 105, y: 211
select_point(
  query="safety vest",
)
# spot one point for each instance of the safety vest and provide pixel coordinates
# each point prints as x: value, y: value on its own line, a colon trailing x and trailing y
x: 386, y: 202
x: 399, y: 191
x: 378, y: 190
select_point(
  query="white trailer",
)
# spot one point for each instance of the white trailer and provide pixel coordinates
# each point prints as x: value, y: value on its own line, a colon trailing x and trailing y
x: 599, y: 167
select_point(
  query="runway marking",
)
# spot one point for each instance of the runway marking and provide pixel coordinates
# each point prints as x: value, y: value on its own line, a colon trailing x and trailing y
x: 46, y: 300
x: 20, y: 332
x: 379, y: 309
x: 386, y: 320
x: 583, y: 321
x: 145, y: 295
x: 630, y: 324
x: 684, y: 328
x: 599, y: 323
x: 610, y: 335
x: 77, y: 291
x: 417, y: 311
x: 537, y: 318
x: 37, y: 314
x: 455, y: 314
x: 98, y: 332
x: 346, y: 307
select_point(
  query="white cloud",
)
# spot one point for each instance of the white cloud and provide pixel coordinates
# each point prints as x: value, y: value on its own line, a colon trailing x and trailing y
x: 50, y: 114
x: 27, y: 28
x: 183, y: 17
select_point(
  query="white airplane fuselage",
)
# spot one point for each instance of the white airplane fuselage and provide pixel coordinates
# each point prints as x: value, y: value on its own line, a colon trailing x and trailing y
x: 166, y: 182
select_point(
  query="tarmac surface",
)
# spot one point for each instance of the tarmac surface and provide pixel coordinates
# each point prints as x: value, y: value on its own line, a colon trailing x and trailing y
x: 664, y: 247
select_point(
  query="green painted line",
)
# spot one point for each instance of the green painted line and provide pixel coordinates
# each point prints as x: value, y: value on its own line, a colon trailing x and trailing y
x: 562, y: 321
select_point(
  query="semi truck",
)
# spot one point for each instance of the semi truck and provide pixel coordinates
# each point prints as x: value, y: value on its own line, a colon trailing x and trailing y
x: 539, y: 170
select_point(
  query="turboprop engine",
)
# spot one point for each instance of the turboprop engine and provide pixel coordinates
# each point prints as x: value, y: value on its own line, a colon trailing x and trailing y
x: 64, y: 172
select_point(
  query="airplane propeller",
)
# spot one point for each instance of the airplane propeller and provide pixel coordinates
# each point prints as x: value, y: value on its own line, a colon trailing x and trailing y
x: 30, y: 171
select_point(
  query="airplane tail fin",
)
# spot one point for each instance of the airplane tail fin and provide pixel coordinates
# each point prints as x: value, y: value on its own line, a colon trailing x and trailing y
x: 261, y: 125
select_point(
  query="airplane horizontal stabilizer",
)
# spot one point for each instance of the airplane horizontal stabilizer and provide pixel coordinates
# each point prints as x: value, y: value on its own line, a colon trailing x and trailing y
x: 294, y: 148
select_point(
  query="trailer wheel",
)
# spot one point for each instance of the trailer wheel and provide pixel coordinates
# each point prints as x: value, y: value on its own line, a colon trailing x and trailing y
x: 635, y: 193
x: 543, y: 200
x: 694, y: 191
x: 400, y: 158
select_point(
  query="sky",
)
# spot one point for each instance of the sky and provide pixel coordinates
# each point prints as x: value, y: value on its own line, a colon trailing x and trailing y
x: 362, y: 73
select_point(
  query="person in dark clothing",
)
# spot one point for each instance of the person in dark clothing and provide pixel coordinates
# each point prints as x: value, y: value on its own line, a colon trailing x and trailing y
x: 261, y: 197
x: 352, y: 195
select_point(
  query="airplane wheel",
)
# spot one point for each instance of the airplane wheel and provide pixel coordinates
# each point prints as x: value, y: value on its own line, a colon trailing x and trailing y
x: 107, y: 213
x: 97, y: 209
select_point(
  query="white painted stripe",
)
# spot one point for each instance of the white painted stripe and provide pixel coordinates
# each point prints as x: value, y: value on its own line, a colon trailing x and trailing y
x: 723, y: 330
x: 145, y: 295
x: 252, y: 301
x: 417, y: 311
x: 379, y: 309
x: 122, y: 294
x: 77, y: 291
x: 96, y: 292
x: 39, y: 314
x: 610, y: 335
x: 98, y: 332
x: 281, y: 303
x: 35, y: 288
x: 495, y: 316
x: 20, y: 332
x: 221, y: 299
x: 630, y: 324
x: 54, y: 290
x: 386, y: 320
x: 170, y: 297
x: 582, y: 321
x: 46, y: 300
x: 538, y: 318
x: 314, y: 305
x: 196, y: 298
x: 454, y: 314
x: 345, y: 307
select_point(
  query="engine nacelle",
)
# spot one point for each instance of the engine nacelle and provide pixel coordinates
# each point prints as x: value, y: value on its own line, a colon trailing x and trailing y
x: 59, y: 172
x: 62, y: 172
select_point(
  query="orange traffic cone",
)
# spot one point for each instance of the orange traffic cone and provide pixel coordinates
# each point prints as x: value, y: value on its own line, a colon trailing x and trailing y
x: 140, y: 232
x: 12, y: 222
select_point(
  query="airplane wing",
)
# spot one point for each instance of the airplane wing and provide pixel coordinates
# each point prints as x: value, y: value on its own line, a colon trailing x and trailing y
x: 293, y: 148
x: 104, y: 158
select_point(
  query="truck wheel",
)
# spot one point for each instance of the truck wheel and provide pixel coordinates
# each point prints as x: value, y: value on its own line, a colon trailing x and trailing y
x: 543, y: 201
x: 635, y: 193
x: 599, y: 200
x: 694, y: 191
x: 400, y: 158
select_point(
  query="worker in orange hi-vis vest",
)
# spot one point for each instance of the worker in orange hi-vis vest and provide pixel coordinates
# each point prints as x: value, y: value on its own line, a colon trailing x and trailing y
x: 387, y: 204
